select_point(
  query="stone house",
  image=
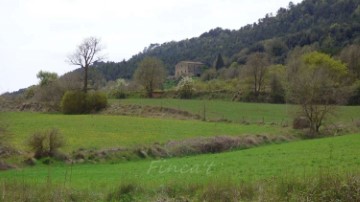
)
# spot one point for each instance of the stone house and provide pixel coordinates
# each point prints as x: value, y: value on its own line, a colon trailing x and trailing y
x: 188, y: 68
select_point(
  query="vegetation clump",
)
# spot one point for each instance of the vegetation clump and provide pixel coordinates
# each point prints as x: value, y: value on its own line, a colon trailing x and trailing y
x: 77, y: 102
x: 46, y: 144
x: 185, y: 88
x: 118, y: 90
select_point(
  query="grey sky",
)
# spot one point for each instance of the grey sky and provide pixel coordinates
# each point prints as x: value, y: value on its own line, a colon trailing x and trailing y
x: 38, y: 34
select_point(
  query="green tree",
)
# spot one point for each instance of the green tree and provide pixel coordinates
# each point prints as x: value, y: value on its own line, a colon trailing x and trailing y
x: 86, y: 54
x: 49, y: 90
x: 150, y: 74
x: 46, y: 77
x: 219, y: 62
x: 317, y: 86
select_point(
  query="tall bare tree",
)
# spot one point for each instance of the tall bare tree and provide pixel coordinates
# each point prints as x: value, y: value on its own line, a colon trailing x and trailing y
x: 257, y: 65
x: 85, y: 55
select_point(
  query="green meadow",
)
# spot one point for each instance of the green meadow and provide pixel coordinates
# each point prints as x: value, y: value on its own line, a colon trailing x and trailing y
x: 296, y: 159
x: 105, y: 131
x: 287, y: 167
x: 239, y: 111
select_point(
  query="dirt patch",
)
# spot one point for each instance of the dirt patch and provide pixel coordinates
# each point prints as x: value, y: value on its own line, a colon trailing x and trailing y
x: 6, y: 151
x: 148, y: 111
x: 36, y: 107
x: 5, y: 166
x: 14, y: 105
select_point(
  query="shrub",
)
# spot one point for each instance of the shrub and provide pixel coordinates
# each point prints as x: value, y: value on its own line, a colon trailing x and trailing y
x: 46, y: 144
x: 117, y: 94
x: 209, y: 74
x: 29, y: 92
x: 51, y: 94
x: 95, y: 101
x: 185, y: 88
x: 37, y: 144
x: 119, y: 88
x: 77, y: 102
x: 73, y: 102
x: 126, y: 192
x: 301, y: 123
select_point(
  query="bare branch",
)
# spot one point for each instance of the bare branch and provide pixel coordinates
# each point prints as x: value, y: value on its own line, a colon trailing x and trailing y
x: 84, y: 55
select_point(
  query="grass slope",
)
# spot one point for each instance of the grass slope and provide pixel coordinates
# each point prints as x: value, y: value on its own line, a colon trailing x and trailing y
x: 237, y: 111
x: 103, y: 131
x: 295, y: 160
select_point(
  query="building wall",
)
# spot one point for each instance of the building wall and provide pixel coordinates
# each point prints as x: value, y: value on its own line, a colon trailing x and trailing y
x: 188, y: 69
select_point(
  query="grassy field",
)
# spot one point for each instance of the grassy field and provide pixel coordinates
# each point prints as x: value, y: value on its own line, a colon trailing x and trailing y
x: 289, y: 161
x: 294, y: 160
x: 105, y: 131
x: 238, y: 111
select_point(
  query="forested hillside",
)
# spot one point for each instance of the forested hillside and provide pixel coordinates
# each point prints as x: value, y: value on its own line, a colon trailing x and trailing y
x: 329, y: 25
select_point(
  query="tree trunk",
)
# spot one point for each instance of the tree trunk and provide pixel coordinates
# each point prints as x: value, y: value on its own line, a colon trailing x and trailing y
x: 85, y: 79
x: 149, y: 91
x: 317, y: 130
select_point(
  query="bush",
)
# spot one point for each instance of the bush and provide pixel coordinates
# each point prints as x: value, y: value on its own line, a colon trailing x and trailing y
x: 126, y: 192
x: 77, y: 102
x: 95, y: 101
x: 117, y: 94
x: 46, y: 144
x: 301, y: 123
x: 185, y: 88
x: 119, y: 89
x: 209, y: 74
x: 74, y: 102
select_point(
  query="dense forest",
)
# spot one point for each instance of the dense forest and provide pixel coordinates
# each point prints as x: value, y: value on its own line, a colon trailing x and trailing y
x: 329, y: 25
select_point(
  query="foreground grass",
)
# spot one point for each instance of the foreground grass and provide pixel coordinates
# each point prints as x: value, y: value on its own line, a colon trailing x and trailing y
x: 238, y: 111
x: 340, y: 155
x: 322, y: 186
x: 104, y: 131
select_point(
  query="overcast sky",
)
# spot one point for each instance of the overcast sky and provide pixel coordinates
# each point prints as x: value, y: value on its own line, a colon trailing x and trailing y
x: 38, y: 34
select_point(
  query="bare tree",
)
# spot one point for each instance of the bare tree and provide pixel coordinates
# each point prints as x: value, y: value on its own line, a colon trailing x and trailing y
x: 256, y: 65
x: 150, y: 74
x: 85, y: 55
x: 351, y: 56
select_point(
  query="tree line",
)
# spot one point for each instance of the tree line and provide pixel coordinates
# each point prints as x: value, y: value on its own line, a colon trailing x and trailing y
x: 330, y: 25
